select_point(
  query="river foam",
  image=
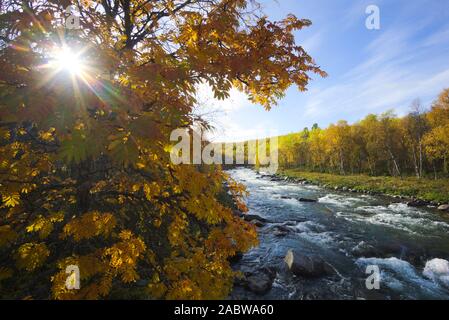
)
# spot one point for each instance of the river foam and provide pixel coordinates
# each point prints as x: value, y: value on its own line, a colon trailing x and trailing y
x: 398, y: 275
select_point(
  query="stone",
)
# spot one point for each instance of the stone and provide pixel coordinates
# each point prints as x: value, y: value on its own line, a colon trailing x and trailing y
x: 444, y: 207
x: 280, y: 233
x: 307, y: 200
x: 250, y: 217
x: 304, y: 265
x: 257, y: 223
x: 416, y: 203
x: 260, y: 282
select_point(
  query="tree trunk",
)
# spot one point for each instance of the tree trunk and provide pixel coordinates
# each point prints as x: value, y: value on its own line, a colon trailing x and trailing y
x: 434, y: 170
x: 342, y: 166
x: 420, y: 159
x: 445, y: 164
x: 415, y: 161
x: 396, y: 166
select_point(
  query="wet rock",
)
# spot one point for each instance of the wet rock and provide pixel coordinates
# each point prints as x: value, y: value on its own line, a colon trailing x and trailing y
x: 307, y: 200
x: 280, y: 233
x: 444, y: 207
x: 391, y: 249
x: 345, y: 189
x: 286, y: 197
x: 307, y: 265
x: 236, y: 257
x: 416, y: 203
x: 261, y: 281
x: 257, y: 223
x: 281, y: 230
x: 250, y: 217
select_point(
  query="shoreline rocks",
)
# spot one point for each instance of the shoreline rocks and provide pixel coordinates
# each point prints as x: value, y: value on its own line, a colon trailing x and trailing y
x: 410, y: 201
x: 416, y: 203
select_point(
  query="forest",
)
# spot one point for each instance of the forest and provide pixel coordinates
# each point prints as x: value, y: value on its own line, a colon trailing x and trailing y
x: 378, y: 145
x: 87, y: 106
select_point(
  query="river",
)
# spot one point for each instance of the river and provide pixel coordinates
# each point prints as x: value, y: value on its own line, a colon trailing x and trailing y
x: 349, y: 231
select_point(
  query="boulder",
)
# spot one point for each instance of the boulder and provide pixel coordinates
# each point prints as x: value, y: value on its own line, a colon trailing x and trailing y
x: 260, y: 282
x: 307, y: 200
x: 444, y: 207
x: 250, y: 217
x: 304, y: 265
x: 280, y: 230
x: 416, y: 203
x: 280, y: 233
x: 257, y: 223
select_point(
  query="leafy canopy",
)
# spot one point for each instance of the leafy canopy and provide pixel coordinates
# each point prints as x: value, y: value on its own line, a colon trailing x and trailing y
x: 85, y: 175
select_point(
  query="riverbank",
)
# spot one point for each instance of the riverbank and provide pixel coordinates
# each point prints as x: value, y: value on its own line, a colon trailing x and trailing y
x: 434, y: 192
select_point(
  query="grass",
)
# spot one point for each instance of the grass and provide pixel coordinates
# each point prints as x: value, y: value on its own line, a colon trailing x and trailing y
x: 426, y: 189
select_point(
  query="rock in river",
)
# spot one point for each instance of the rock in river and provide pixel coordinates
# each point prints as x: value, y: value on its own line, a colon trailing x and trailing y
x: 444, y: 207
x: 251, y: 217
x: 261, y: 281
x: 307, y: 200
x: 257, y: 223
x: 307, y: 265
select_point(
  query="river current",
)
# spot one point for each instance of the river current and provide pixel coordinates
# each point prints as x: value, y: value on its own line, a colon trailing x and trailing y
x: 348, y: 230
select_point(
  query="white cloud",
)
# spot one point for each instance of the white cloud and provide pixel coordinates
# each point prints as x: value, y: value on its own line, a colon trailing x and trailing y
x: 442, y: 36
x: 394, y: 74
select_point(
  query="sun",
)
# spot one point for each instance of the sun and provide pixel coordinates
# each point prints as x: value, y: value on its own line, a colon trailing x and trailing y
x: 65, y: 59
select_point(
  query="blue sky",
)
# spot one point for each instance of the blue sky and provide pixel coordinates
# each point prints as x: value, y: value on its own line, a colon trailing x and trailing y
x: 370, y: 71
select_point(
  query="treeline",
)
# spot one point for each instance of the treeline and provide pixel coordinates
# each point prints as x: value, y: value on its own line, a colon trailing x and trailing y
x: 416, y: 144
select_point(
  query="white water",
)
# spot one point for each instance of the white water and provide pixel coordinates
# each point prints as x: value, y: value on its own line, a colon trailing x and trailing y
x: 404, y: 237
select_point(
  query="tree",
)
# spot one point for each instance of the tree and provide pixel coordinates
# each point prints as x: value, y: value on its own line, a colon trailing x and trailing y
x: 85, y: 174
x: 436, y: 140
x: 415, y: 126
x: 339, y: 143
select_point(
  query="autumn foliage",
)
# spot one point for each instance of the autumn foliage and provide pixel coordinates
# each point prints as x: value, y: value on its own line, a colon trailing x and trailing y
x: 85, y: 175
x: 416, y: 144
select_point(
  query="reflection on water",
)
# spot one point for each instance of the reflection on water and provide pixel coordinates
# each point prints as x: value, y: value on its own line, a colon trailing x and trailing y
x: 338, y: 227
